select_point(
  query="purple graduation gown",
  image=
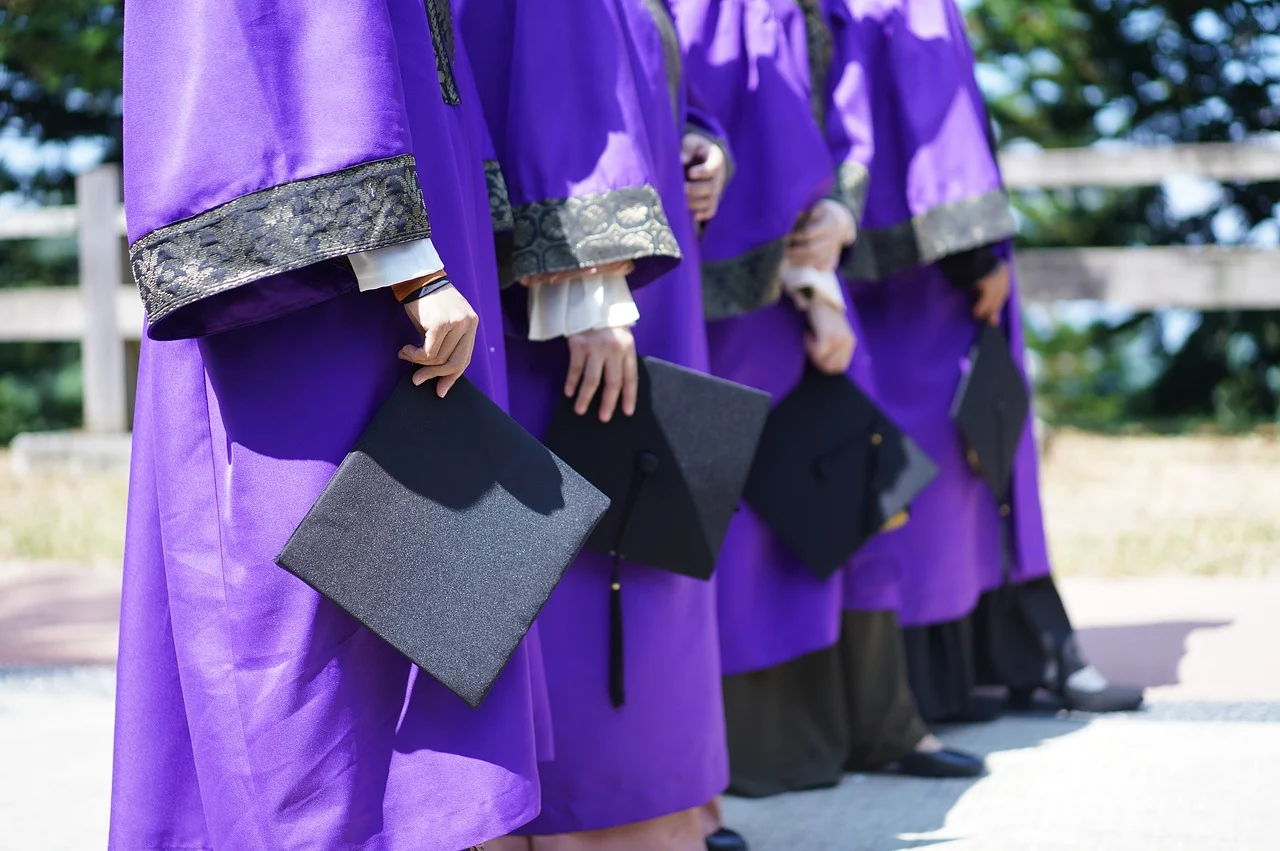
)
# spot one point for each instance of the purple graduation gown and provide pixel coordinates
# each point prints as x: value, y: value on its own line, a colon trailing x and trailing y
x: 754, y: 63
x: 935, y: 191
x: 263, y: 139
x: 586, y: 106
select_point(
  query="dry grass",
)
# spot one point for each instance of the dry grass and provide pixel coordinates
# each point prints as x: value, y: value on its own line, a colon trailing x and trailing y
x: 75, y: 519
x: 1115, y: 506
x: 1139, y: 506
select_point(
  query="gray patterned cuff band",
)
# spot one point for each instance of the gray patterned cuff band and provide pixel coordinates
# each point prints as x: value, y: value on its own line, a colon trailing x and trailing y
x: 744, y: 283
x: 560, y: 234
x: 852, y: 179
x: 937, y: 233
x: 499, y: 199
x: 372, y: 205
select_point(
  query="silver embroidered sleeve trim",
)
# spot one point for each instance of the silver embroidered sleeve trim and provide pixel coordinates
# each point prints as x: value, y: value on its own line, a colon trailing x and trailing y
x: 672, y: 54
x: 744, y: 283
x: 372, y: 205
x: 821, y: 49
x: 924, y: 240
x: 852, y: 180
x: 559, y: 234
x: 499, y: 199
x: 440, y: 20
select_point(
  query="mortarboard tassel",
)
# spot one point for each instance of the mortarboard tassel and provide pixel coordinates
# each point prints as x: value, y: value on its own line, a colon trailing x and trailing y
x: 617, y: 674
x: 646, y: 463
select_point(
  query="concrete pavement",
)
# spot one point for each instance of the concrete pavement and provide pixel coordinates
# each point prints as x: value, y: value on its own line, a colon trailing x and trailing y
x: 1198, y: 771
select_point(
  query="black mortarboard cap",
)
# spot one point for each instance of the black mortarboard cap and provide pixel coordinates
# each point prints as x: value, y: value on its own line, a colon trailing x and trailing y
x: 674, y: 471
x: 832, y: 470
x: 991, y: 409
x: 445, y: 531
x: 685, y: 454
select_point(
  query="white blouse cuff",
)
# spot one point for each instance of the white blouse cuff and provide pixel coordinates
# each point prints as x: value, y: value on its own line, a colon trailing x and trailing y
x: 804, y: 283
x: 385, y: 267
x: 580, y: 304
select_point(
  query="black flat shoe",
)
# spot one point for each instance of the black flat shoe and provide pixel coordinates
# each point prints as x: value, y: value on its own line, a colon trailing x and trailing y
x: 944, y: 763
x: 978, y: 709
x: 725, y: 839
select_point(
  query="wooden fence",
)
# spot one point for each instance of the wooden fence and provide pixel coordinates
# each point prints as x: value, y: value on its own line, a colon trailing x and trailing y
x: 105, y: 316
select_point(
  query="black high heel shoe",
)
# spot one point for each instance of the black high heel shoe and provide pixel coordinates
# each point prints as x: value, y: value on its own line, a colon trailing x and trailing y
x: 1112, y: 697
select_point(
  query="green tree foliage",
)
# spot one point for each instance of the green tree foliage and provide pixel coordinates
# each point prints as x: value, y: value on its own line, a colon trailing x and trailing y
x: 1069, y: 72
x: 1076, y: 72
x: 60, y: 69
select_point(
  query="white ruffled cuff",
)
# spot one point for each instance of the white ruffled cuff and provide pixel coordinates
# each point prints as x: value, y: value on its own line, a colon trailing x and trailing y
x: 804, y: 283
x: 385, y: 267
x: 580, y: 304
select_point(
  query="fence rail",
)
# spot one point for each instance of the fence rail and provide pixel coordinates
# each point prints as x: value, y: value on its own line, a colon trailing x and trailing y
x: 1234, y: 162
x: 103, y: 314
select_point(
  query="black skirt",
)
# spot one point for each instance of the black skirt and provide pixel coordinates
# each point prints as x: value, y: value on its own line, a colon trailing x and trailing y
x: 1018, y: 637
x: 802, y: 724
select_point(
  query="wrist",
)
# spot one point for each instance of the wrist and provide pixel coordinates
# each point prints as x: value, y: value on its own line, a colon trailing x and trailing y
x: 808, y: 287
x: 848, y: 225
x: 410, y: 291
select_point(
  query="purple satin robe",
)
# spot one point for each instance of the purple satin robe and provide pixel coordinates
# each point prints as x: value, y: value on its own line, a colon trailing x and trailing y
x: 755, y: 62
x: 934, y: 168
x: 583, y: 105
x: 253, y: 714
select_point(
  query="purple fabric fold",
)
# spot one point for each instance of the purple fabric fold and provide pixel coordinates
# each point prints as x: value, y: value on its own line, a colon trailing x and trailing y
x: 849, y: 120
x: 919, y: 71
x: 932, y: 150
x: 251, y: 713
x: 238, y: 97
x: 754, y: 58
x: 601, y: 145
x: 234, y: 99
x: 593, y: 115
x: 751, y: 78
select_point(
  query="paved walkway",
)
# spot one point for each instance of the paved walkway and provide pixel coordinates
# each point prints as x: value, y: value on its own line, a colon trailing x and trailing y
x: 1198, y: 771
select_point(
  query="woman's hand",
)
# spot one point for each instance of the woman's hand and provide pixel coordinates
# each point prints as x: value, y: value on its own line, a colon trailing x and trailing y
x: 992, y: 293
x: 608, y: 356
x: 706, y: 170
x: 823, y: 233
x: 830, y: 341
x: 448, y: 324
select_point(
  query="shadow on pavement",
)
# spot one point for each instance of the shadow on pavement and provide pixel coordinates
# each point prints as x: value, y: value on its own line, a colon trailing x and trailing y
x: 884, y: 812
x: 1142, y: 654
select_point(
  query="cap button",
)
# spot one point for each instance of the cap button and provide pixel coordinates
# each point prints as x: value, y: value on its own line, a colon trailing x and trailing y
x: 876, y: 439
x: 646, y: 462
x: 1005, y: 510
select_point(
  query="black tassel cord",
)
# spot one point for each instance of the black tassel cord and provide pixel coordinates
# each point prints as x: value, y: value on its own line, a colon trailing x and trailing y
x: 646, y: 464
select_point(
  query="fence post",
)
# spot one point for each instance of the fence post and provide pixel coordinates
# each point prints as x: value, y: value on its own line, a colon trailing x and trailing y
x: 98, y: 206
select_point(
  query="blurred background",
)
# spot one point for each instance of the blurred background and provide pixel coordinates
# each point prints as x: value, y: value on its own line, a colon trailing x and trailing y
x: 1137, y: 143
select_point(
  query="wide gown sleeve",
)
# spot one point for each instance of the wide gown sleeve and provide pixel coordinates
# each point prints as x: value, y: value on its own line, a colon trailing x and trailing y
x: 936, y: 189
x: 743, y: 62
x: 262, y: 138
x: 847, y: 108
x: 569, y: 123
